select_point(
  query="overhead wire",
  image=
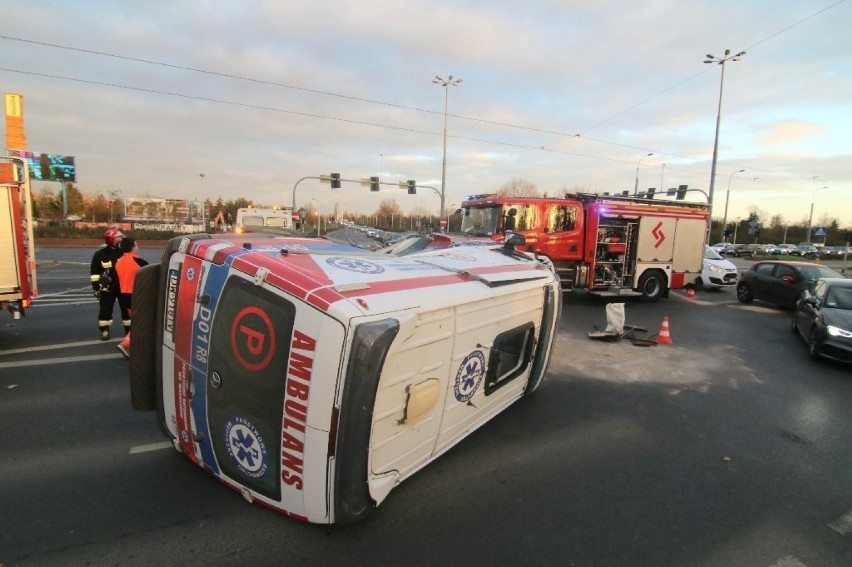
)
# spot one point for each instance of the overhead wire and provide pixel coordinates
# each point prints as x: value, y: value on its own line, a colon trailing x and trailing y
x: 578, y: 135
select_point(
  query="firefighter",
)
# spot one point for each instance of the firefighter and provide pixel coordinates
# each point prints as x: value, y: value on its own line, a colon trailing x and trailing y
x: 105, y: 281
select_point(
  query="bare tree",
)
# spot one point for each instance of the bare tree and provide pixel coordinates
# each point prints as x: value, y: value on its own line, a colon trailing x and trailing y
x: 518, y: 187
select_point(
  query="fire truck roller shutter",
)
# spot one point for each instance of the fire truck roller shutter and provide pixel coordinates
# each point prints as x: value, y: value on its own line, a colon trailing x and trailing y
x: 549, y: 320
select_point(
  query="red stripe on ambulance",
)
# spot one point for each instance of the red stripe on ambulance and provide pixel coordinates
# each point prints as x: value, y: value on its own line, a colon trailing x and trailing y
x: 185, y: 319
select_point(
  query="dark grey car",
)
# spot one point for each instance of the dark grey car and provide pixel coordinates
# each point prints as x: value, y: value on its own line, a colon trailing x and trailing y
x: 823, y: 317
x: 780, y: 282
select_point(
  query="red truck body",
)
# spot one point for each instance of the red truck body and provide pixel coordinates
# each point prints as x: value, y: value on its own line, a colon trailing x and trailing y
x: 609, y: 245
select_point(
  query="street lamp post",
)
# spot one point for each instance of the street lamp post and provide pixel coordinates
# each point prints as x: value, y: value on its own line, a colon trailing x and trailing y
x: 811, y: 216
x: 203, y: 212
x: 727, y: 196
x: 719, y: 61
x: 636, y: 184
x: 446, y: 84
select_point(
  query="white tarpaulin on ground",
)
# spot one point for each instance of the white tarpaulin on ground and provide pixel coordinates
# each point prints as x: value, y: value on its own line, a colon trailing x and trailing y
x: 614, y: 318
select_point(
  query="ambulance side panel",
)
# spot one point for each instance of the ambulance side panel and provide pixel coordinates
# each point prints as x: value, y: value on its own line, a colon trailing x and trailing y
x: 493, y: 341
x: 444, y: 356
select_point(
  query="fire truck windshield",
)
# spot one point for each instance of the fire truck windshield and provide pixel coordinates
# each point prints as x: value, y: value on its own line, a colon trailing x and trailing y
x: 481, y: 221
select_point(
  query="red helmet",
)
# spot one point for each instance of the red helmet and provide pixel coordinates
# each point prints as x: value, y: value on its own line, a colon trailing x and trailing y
x: 112, y: 235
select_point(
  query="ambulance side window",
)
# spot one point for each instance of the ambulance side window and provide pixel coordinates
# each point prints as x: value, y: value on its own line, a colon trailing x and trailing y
x: 509, y: 356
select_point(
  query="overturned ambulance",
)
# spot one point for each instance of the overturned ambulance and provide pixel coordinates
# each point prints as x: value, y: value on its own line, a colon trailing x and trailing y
x: 314, y: 377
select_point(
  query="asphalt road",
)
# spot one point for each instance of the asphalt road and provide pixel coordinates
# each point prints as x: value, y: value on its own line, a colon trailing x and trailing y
x: 728, y: 447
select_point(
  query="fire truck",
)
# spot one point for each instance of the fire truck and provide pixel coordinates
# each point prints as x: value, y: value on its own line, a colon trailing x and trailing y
x: 17, y: 247
x: 609, y: 245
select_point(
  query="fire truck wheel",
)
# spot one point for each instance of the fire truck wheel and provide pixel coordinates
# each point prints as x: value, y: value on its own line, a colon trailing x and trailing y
x: 652, y: 284
x: 143, y: 338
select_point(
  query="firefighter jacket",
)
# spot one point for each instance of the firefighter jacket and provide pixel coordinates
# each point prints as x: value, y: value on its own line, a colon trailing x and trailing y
x: 102, y: 273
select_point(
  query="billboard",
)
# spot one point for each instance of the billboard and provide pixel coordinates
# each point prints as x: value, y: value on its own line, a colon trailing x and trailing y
x: 48, y: 167
x: 150, y: 209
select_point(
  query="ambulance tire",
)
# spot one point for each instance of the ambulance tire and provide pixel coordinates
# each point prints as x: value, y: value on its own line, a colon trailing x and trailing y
x: 652, y: 284
x: 143, y: 338
x: 544, y: 348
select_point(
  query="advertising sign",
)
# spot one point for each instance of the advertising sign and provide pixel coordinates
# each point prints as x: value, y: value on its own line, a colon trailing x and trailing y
x: 48, y: 167
x: 150, y: 209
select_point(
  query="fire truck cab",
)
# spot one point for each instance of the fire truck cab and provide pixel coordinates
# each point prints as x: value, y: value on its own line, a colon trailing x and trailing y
x: 608, y: 245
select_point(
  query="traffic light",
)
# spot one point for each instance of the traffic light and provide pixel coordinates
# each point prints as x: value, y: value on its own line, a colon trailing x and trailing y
x: 374, y: 183
x: 650, y: 193
x: 412, y: 187
x: 335, y: 181
x: 681, y: 192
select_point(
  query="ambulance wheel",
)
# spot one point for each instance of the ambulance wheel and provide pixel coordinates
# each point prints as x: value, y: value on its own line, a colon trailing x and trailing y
x: 652, y: 284
x: 143, y: 341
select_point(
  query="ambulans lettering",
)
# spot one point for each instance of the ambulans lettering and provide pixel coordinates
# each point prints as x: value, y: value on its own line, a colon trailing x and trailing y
x: 202, y: 336
x: 253, y: 338
x: 295, y: 419
x: 246, y: 447
x: 469, y: 376
x: 171, y: 301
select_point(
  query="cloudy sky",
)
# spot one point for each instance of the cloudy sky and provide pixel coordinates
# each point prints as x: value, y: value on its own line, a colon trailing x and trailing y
x: 567, y: 94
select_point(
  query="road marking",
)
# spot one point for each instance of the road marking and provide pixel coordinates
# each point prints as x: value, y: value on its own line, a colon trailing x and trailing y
x: 151, y: 447
x: 63, y: 360
x: 788, y: 561
x: 54, y: 347
x: 78, y: 296
x: 843, y: 524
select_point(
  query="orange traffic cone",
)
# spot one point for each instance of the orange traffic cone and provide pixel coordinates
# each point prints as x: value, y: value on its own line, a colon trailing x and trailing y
x: 690, y: 294
x: 664, y: 337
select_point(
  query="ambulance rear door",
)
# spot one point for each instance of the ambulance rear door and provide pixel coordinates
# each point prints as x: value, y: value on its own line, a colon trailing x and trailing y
x: 244, y: 356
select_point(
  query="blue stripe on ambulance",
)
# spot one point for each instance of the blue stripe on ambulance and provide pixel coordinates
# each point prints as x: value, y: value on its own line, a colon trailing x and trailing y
x: 213, y: 284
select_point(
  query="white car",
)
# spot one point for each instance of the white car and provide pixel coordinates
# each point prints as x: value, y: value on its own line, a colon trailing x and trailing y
x: 718, y: 272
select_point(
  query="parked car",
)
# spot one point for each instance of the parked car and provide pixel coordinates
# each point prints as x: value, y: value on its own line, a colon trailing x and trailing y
x: 823, y: 318
x: 804, y: 249
x: 722, y: 247
x: 780, y: 282
x: 785, y: 249
x: 717, y: 271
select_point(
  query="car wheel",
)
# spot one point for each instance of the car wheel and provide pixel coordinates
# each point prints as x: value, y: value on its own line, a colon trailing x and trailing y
x: 698, y: 282
x: 652, y: 284
x: 744, y: 293
x: 813, y: 348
